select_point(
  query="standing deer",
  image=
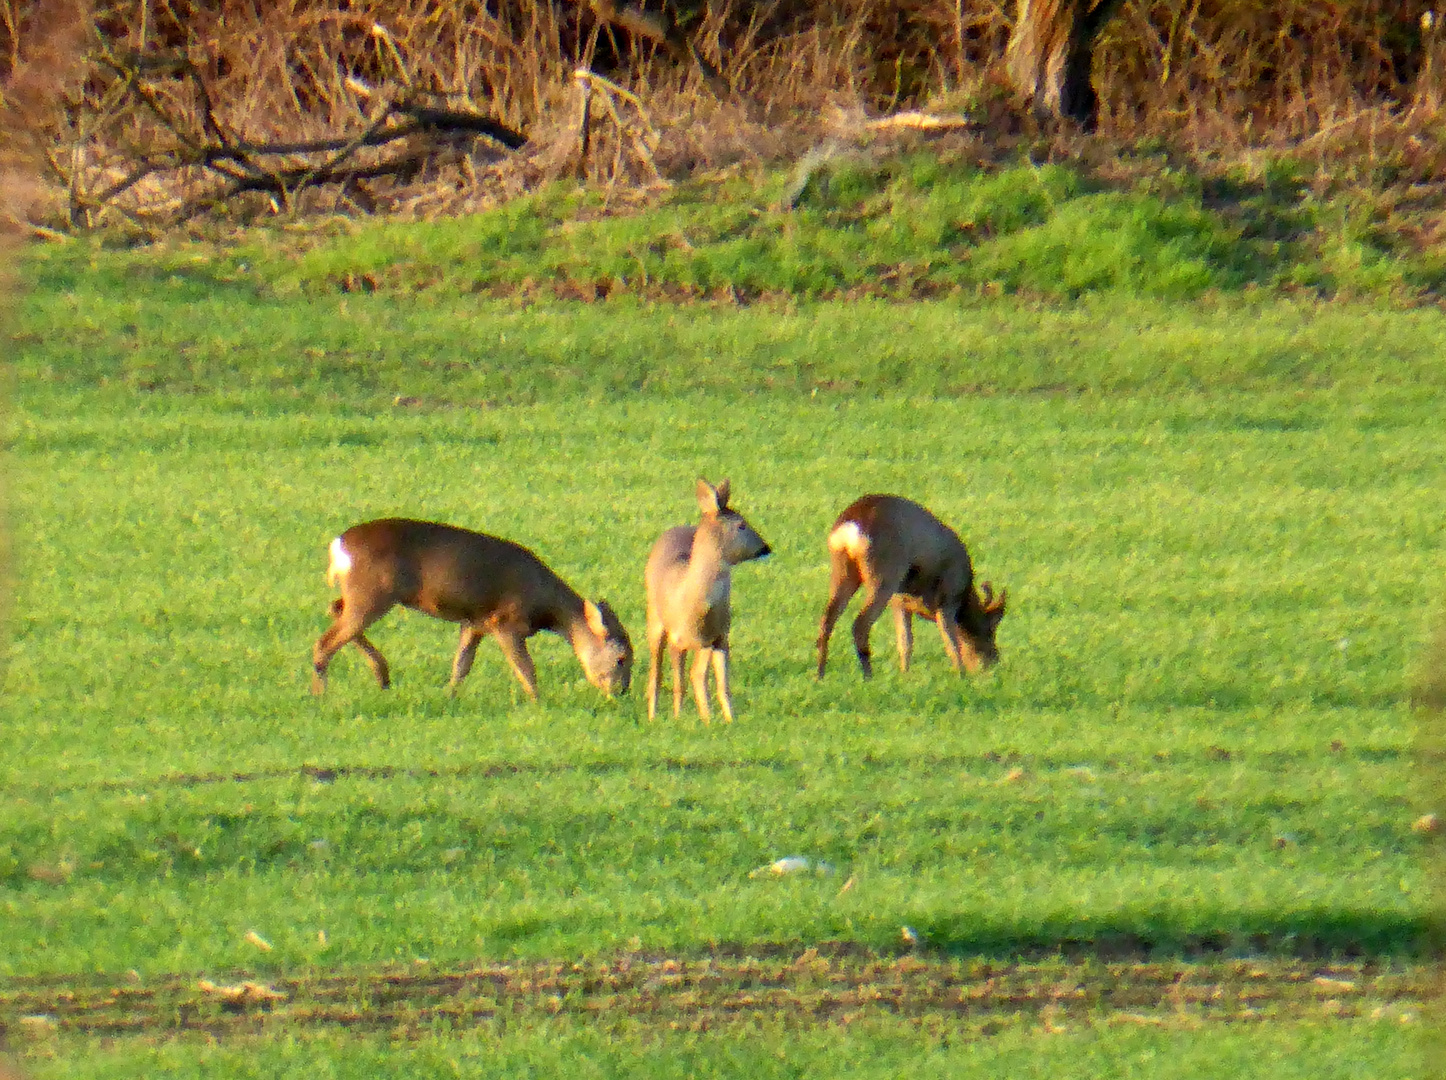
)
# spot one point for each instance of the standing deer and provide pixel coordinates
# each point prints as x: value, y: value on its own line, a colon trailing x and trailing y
x: 489, y: 585
x: 902, y: 554
x: 689, y: 581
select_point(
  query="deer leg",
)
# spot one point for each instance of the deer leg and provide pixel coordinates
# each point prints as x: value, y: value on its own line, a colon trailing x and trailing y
x: 655, y: 669
x: 843, y: 583
x: 375, y: 660
x: 514, y: 647
x: 877, y: 598
x: 720, y: 676
x: 903, y: 632
x: 968, y: 654
x: 675, y: 657
x: 333, y: 638
x: 699, y: 677
x: 466, y: 650
x: 350, y: 622
x: 962, y: 653
x: 947, y: 631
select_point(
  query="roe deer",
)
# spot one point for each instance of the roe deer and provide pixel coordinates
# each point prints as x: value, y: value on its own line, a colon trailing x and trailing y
x: 902, y: 554
x: 489, y: 585
x: 689, y: 580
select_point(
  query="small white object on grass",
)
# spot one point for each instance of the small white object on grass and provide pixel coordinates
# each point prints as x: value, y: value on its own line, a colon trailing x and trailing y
x: 256, y: 939
x: 791, y: 864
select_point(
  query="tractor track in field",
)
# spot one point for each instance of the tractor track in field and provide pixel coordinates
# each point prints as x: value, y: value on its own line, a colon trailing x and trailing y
x: 806, y: 987
x: 493, y: 770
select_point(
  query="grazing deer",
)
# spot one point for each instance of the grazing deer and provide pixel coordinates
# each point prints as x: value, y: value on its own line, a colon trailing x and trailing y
x: 489, y: 585
x: 902, y: 554
x: 689, y: 580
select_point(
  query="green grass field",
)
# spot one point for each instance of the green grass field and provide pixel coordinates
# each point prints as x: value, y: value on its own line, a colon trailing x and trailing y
x: 1219, y: 524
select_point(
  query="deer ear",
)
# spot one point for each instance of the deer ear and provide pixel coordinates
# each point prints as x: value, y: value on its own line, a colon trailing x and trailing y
x: 995, y: 607
x: 595, y: 620
x: 709, y: 499
x: 722, y: 490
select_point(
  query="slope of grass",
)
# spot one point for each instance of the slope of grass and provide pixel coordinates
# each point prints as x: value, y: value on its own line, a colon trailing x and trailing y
x: 908, y: 226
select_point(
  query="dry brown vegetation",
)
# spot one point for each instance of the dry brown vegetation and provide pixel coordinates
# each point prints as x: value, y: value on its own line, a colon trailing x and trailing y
x: 131, y: 125
x: 826, y: 985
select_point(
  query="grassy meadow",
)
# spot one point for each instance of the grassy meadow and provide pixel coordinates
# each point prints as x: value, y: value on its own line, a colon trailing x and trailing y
x: 1219, y: 523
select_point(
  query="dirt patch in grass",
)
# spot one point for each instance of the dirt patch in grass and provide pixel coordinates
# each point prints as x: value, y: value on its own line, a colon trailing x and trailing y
x: 814, y: 986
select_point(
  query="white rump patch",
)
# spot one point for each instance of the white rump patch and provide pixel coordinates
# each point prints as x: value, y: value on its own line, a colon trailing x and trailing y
x: 340, y: 563
x: 849, y: 539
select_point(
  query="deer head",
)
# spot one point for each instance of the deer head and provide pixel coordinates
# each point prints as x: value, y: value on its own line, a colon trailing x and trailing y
x: 736, y: 539
x: 605, y: 651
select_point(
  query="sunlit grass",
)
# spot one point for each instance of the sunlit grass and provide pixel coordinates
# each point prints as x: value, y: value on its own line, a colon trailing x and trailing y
x: 1219, y: 527
x: 1203, y: 602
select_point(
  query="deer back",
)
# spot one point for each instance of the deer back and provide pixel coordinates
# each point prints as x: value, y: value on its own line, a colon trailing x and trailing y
x: 452, y: 573
x: 892, y: 538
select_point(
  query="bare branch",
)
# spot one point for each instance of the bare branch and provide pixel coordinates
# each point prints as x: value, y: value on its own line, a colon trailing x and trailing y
x: 199, y: 141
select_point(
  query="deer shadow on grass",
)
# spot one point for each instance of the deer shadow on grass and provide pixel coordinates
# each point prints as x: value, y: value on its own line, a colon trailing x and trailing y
x: 1321, y: 933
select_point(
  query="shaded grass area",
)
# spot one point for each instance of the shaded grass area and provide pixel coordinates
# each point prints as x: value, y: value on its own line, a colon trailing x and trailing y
x: 579, y: 866
x: 908, y: 226
x: 154, y: 332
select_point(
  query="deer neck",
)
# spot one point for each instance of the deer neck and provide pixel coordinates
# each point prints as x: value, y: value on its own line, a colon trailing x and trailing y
x: 568, y: 619
x: 709, y: 574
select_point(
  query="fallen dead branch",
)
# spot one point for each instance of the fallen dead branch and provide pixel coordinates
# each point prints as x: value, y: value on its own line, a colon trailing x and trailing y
x: 166, y: 99
x: 920, y: 121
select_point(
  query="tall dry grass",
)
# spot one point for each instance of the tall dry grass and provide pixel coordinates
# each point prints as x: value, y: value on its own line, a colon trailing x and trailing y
x: 1340, y: 79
